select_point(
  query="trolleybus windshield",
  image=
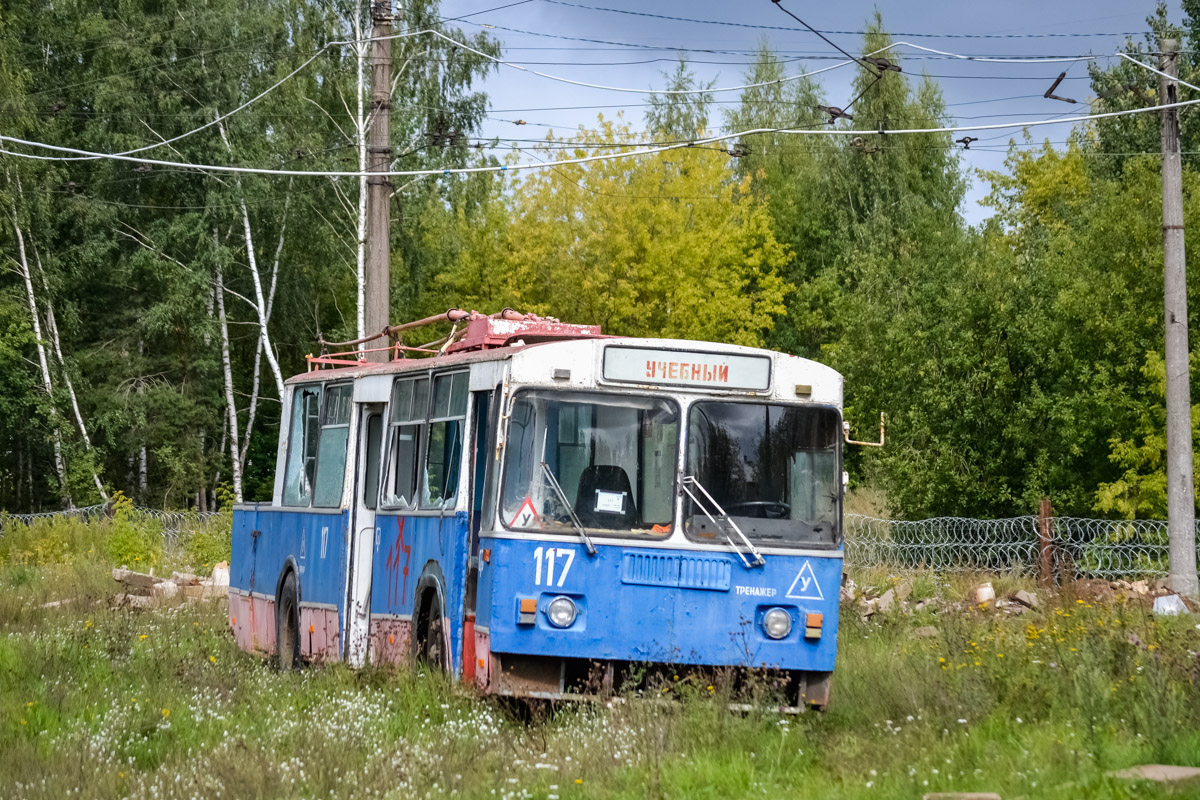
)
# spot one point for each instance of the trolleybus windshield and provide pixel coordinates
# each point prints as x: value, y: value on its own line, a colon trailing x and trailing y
x: 773, y: 469
x: 613, y: 457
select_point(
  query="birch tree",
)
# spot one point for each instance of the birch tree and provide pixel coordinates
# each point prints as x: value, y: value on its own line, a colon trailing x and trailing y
x: 60, y: 465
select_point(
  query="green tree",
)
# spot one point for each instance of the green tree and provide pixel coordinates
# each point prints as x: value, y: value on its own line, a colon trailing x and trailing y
x: 663, y: 245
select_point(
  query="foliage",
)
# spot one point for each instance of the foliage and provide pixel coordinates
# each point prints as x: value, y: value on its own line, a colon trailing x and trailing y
x: 657, y: 247
x: 1141, y: 491
x: 129, y: 252
x: 1010, y: 358
x: 126, y: 536
x: 132, y: 541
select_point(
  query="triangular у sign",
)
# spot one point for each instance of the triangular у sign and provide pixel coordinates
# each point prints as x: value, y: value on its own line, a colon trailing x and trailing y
x: 805, y: 586
x: 526, y: 516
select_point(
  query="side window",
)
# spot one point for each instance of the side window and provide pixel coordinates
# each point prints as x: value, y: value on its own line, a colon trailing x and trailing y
x: 371, y: 479
x: 409, y: 409
x: 331, y: 456
x: 443, y: 461
x: 301, y: 469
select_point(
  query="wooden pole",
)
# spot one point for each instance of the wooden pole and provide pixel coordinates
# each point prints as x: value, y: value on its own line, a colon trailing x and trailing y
x: 1045, y: 537
x: 1181, y: 501
x: 379, y: 189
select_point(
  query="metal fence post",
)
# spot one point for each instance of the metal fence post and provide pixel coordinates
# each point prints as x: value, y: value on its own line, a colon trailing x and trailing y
x: 1045, y: 535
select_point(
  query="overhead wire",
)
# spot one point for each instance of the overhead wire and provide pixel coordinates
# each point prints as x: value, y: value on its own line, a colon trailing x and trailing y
x: 708, y: 90
x: 839, y: 33
x: 582, y: 160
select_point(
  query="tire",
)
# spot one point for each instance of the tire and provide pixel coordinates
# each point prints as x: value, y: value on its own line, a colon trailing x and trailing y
x: 433, y: 639
x: 287, y: 625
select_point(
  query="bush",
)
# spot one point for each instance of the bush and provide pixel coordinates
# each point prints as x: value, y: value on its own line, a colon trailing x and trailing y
x: 133, y: 539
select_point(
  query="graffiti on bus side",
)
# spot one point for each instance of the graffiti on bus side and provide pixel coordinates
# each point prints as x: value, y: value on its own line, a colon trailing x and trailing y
x: 393, y: 565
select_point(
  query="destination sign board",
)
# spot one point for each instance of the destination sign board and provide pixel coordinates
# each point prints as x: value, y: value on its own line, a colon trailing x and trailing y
x: 684, y: 368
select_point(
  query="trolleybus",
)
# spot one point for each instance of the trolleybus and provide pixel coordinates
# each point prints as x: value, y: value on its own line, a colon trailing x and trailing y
x: 542, y: 510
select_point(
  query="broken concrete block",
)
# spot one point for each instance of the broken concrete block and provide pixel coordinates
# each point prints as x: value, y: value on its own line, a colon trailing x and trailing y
x: 925, y: 632
x: 886, y: 601
x: 867, y: 607
x: 1169, y: 605
x: 130, y: 578
x: 185, y: 578
x: 983, y: 593
x: 220, y: 574
x: 1140, y: 587
x: 903, y: 591
x: 132, y: 601
x: 164, y: 590
x: 1027, y: 599
x: 204, y: 591
x: 1162, y: 773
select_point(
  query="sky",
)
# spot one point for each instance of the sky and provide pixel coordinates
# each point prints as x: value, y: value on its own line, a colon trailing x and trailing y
x: 634, y: 50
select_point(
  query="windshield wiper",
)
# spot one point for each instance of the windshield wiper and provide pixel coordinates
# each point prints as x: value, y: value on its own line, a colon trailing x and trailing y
x: 724, y: 522
x: 562, y: 497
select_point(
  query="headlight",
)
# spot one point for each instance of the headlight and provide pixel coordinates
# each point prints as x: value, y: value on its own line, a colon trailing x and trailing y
x: 561, y: 612
x: 777, y: 623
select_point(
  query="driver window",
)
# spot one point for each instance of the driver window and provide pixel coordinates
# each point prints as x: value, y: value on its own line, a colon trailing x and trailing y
x: 300, y: 472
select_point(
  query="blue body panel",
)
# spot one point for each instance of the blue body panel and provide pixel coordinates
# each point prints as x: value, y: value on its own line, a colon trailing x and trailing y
x: 660, y: 605
x: 315, y: 540
x: 409, y: 547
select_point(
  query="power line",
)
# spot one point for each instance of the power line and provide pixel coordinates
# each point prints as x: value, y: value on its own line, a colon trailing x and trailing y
x: 841, y: 33
x: 826, y: 39
x: 582, y: 160
x: 711, y: 90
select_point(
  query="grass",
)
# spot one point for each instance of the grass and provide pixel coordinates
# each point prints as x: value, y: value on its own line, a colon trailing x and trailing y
x: 97, y: 702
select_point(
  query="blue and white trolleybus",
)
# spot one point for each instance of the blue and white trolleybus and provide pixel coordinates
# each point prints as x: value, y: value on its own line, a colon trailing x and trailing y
x: 545, y: 511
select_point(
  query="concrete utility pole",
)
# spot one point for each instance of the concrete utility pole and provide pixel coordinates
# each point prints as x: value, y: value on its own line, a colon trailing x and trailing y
x: 377, y: 295
x: 1181, y: 502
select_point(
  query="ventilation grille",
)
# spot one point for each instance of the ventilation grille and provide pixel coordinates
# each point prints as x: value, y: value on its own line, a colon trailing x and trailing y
x: 686, y: 572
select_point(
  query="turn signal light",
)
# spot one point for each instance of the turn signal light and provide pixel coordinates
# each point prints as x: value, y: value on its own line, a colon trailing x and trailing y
x: 812, y: 625
x: 527, y: 613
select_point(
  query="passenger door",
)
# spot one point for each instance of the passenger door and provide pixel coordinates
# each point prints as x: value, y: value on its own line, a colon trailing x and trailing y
x: 370, y: 397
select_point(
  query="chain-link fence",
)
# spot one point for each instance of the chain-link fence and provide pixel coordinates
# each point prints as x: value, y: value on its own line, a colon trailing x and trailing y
x: 1078, y: 547
x: 177, y: 526
x: 942, y: 543
x: 1092, y: 548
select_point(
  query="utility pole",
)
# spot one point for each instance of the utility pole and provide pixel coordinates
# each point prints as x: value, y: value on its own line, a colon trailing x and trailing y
x: 1181, y: 502
x: 376, y: 294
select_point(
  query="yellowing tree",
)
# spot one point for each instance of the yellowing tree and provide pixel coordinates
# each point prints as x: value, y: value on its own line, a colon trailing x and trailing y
x: 667, y: 245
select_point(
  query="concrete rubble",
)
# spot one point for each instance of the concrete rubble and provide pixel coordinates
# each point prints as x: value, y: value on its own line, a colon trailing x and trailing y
x: 1169, y: 605
x: 1027, y: 599
x: 1161, y: 773
x: 142, y: 590
x: 983, y: 593
x: 886, y: 601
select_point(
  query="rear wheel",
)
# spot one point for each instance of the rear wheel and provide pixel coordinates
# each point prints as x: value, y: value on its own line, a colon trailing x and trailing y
x: 433, y: 640
x: 287, y: 625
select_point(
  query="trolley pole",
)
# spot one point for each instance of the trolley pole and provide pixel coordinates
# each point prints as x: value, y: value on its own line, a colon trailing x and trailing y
x: 377, y: 296
x: 1181, y: 503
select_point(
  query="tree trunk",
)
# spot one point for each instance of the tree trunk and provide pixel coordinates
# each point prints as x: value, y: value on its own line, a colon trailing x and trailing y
x: 52, y: 326
x: 229, y: 400
x: 260, y: 304
x: 59, y: 463
x: 258, y: 350
x: 216, y: 481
